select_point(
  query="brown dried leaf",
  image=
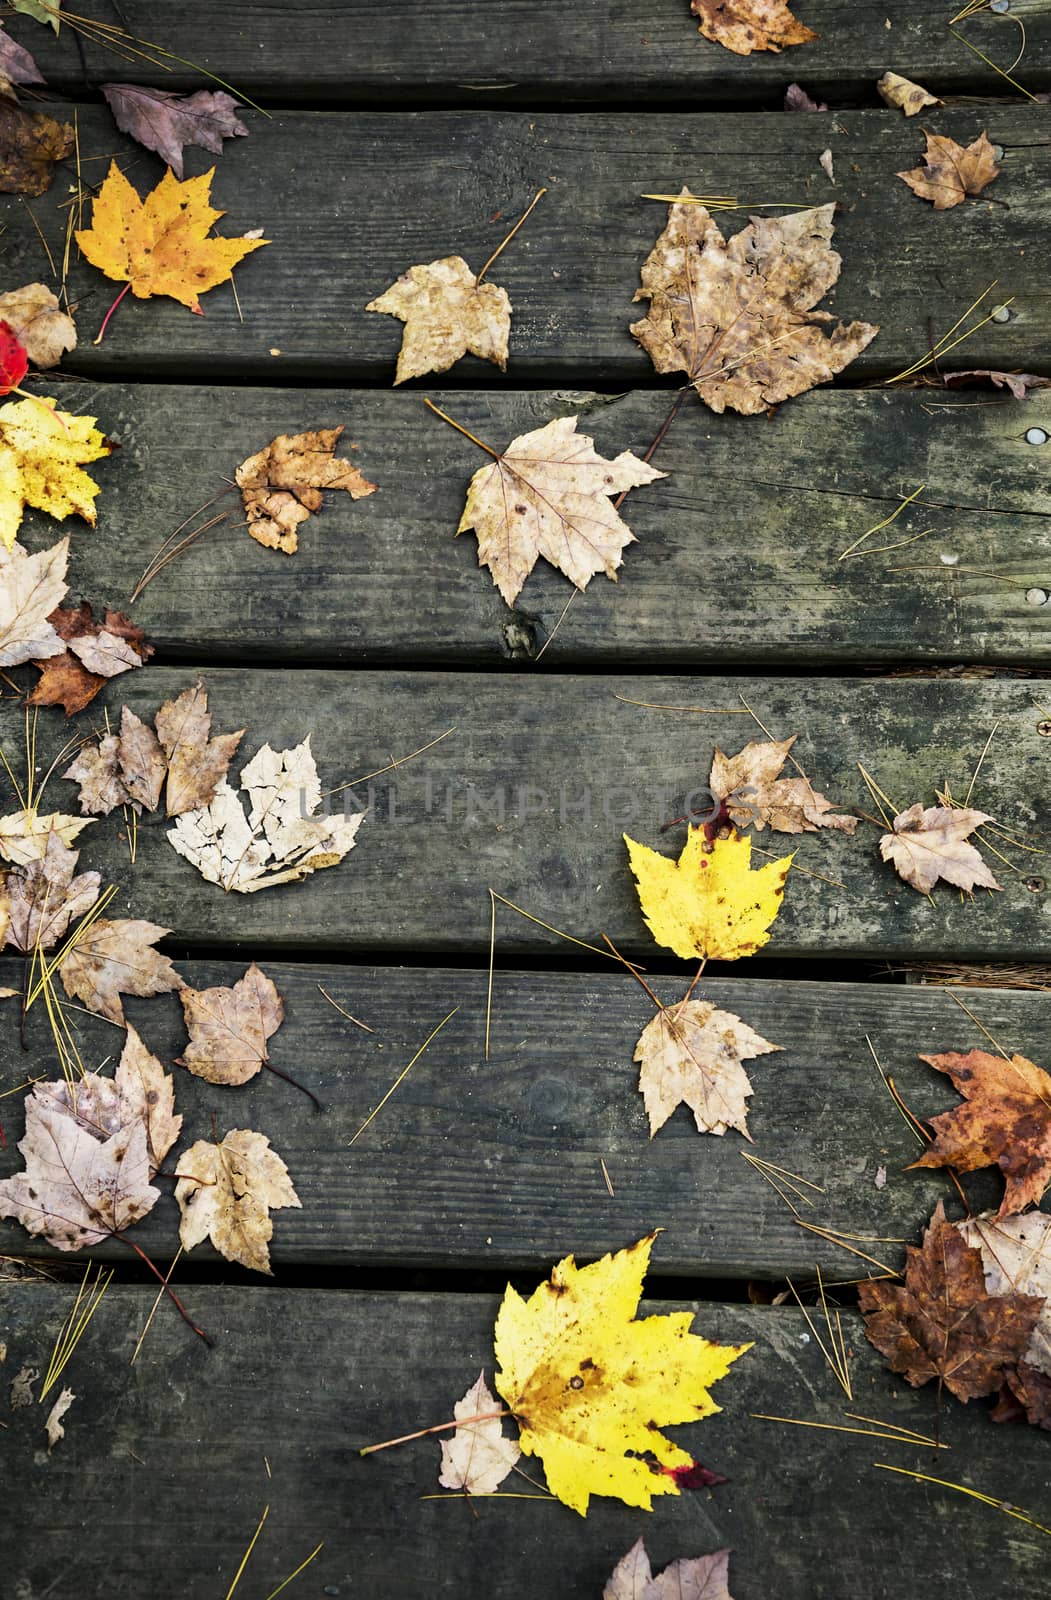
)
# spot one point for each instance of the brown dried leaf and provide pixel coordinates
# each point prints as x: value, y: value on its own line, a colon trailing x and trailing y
x: 229, y: 1028
x: 1021, y: 384
x: 227, y: 1191
x: 146, y: 1093
x: 797, y: 99
x: 747, y: 25
x: 196, y: 764
x: 738, y: 317
x: 479, y: 1455
x: 928, y: 846
x: 1030, y: 1392
x: 753, y: 793
x: 30, y: 144
x: 65, y: 682
x: 142, y: 763
x: 548, y: 495
x: 45, y: 331
x: 95, y: 651
x: 30, y: 589
x: 691, y: 1054
x: 1005, y: 1122
x: 951, y: 172
x: 446, y: 314
x: 895, y: 90
x: 160, y: 121
x: 1016, y: 1257
x: 44, y: 897
x: 700, y: 1578
x: 943, y: 1324
x: 283, y: 484
x: 97, y: 770
x: 115, y: 958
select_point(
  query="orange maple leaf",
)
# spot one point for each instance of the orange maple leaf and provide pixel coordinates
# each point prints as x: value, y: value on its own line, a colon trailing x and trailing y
x: 160, y: 245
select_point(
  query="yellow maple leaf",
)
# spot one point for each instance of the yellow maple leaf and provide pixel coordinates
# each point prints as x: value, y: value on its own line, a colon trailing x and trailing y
x: 710, y: 903
x: 590, y: 1387
x: 160, y: 245
x: 41, y: 455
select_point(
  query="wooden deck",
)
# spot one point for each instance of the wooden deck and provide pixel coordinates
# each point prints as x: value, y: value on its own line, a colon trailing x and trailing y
x: 402, y: 134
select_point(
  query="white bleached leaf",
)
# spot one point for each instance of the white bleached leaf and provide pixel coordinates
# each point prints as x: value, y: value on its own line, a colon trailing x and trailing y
x: 479, y: 1456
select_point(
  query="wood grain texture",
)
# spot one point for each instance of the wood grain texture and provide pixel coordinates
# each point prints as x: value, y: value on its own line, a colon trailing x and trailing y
x: 351, y: 200
x: 533, y: 790
x: 327, y: 50
x: 738, y: 552
x: 496, y: 1164
x: 163, y: 1473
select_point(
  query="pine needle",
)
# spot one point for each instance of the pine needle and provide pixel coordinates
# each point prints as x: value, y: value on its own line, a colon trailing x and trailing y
x: 248, y: 1552
x: 84, y: 1308
x: 701, y: 711
x: 836, y: 1357
x: 888, y: 1431
x: 975, y: 1494
x: 877, y: 527
x: 433, y: 1033
x: 302, y: 1565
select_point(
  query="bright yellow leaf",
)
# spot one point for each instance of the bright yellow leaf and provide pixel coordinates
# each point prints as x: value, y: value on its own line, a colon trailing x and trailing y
x: 710, y: 903
x: 587, y: 1384
x: 41, y: 454
x: 160, y: 245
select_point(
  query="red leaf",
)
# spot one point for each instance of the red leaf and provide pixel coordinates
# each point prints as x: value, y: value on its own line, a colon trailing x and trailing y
x: 14, y: 363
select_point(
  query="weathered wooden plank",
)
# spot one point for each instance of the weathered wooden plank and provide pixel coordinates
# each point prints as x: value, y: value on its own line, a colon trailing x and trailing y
x: 350, y: 201
x: 520, y: 51
x: 497, y: 1163
x: 298, y: 1382
x: 738, y: 554
x: 532, y: 791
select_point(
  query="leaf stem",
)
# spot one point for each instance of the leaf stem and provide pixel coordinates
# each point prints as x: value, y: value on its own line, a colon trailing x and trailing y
x: 109, y: 313
x: 438, y: 412
x: 510, y: 236
x: 169, y: 1291
x: 439, y: 1427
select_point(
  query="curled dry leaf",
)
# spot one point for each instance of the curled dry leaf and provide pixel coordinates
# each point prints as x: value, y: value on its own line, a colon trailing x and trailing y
x: 447, y: 313
x: 44, y: 897
x: 16, y: 64
x: 1016, y: 1258
x: 747, y: 25
x: 797, y: 99
x: 894, y: 90
x: 548, y: 495
x: 53, y: 1425
x: 699, y: 1578
x: 95, y: 651
x: 229, y: 1028
x: 738, y: 317
x: 591, y: 1388
x: 197, y: 764
x: 160, y: 245
x: 930, y: 846
x: 226, y: 1193
x: 1021, y: 384
x: 115, y: 958
x: 951, y: 172
x: 748, y: 785
x: 711, y: 903
x: 280, y: 840
x: 163, y: 122
x: 90, y: 1151
x: 691, y: 1054
x: 283, y: 484
x: 30, y: 144
x: 1005, y: 1121
x: 943, y: 1323
x: 34, y: 314
x: 479, y: 1456
x: 42, y: 456
x: 24, y: 834
x: 30, y: 589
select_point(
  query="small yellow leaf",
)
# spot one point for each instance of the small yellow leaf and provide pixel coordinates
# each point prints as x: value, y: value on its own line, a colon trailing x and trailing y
x: 591, y: 1387
x: 41, y: 455
x: 711, y: 903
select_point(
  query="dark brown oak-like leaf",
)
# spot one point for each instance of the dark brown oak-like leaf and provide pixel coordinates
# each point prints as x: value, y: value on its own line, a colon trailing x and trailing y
x: 952, y: 171
x: 747, y: 25
x: 738, y: 317
x: 115, y: 958
x: 44, y: 897
x: 698, y: 1578
x: 281, y: 485
x: 30, y: 144
x: 943, y: 1323
x: 94, y: 652
x: 930, y: 845
x: 229, y: 1028
x: 163, y: 122
x: 197, y: 764
x: 749, y: 785
x: 1005, y: 1121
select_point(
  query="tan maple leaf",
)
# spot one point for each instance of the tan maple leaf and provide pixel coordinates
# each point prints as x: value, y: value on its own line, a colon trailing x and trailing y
x: 479, y: 1455
x: 1005, y: 1121
x: 753, y: 793
x: 30, y: 590
x: 43, y: 329
x: 1016, y: 1257
x: 952, y: 171
x: 694, y: 1578
x: 115, y: 958
x: 44, y: 897
x: 738, y: 317
x: 226, y: 1192
x: 548, y: 495
x: 24, y: 834
x: 447, y: 313
x: 691, y: 1054
x: 931, y: 845
x: 283, y: 484
x: 196, y: 763
x: 229, y: 1028
x: 895, y: 90
x: 747, y: 25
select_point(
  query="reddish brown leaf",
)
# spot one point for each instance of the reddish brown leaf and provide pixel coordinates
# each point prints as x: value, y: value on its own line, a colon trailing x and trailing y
x: 952, y: 171
x: 1005, y: 1122
x: 30, y: 144
x: 196, y: 764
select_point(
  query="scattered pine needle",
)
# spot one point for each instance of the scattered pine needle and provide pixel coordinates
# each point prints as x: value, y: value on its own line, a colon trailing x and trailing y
x: 946, y: 343
x: 492, y: 958
x: 910, y: 1122
x: 728, y: 202
x: 975, y: 1494
x: 995, y: 1043
x: 355, y: 1020
x: 840, y: 1239
x: 777, y: 1176
x: 837, y: 1355
x: 84, y: 1308
x: 701, y: 711
x: 609, y: 1180
x: 999, y: 70
x: 877, y: 527
x: 433, y: 1034
x: 888, y: 1431
x: 492, y: 1494
x: 302, y: 1566
x: 160, y: 1295
x: 248, y: 1552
